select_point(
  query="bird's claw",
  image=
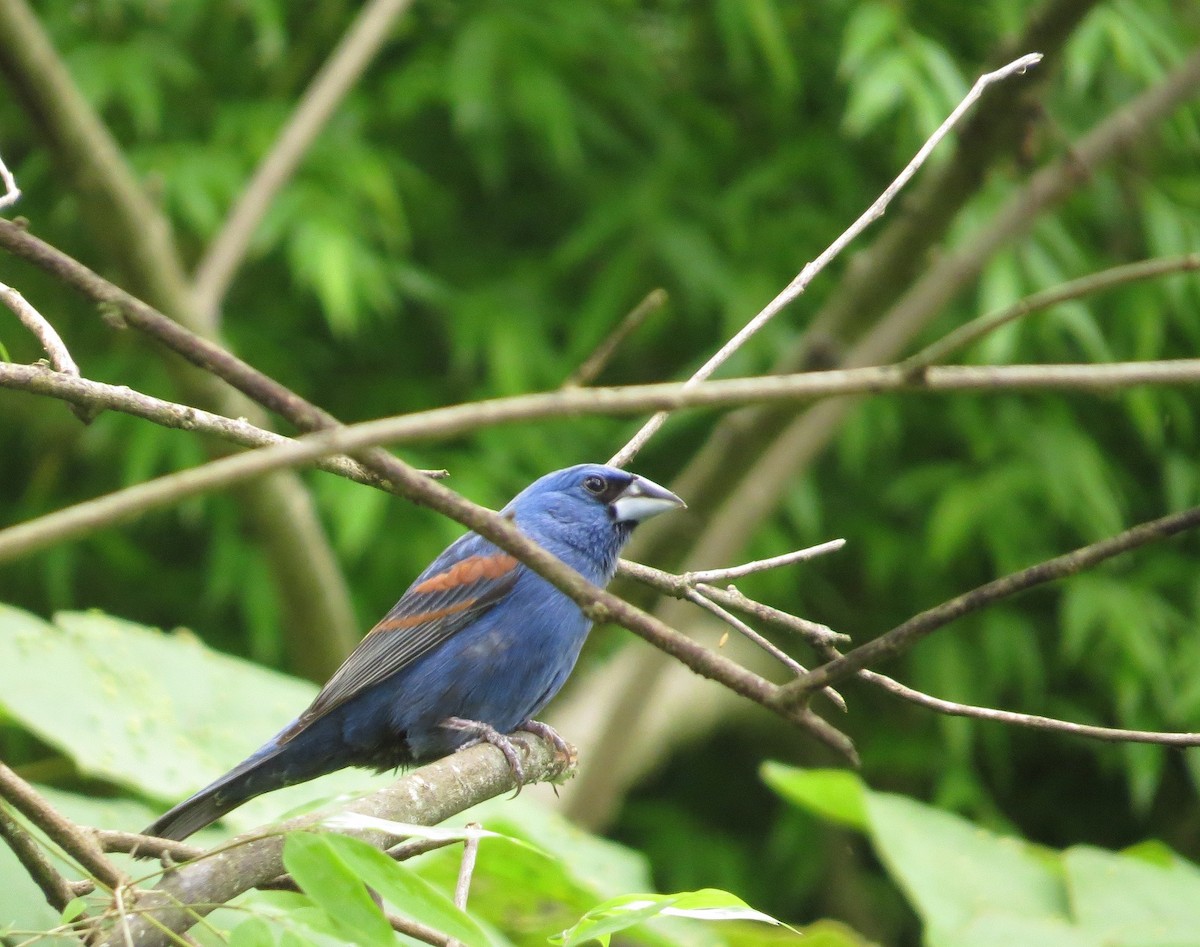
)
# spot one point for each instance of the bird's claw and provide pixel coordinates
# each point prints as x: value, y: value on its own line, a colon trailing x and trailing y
x: 485, y: 733
x: 550, y: 735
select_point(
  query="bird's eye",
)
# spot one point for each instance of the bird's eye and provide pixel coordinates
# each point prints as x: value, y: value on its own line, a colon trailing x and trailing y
x: 594, y: 484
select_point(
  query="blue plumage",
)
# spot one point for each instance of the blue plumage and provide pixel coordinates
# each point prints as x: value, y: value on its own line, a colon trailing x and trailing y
x: 475, y: 648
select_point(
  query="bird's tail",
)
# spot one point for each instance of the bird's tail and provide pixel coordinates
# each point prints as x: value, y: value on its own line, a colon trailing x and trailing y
x: 257, y: 774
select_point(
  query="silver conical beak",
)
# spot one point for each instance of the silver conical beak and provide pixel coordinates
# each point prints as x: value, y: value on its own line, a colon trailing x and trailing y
x: 643, y: 499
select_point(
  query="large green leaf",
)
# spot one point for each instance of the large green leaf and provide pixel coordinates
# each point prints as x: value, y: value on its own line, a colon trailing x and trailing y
x: 974, y: 888
x: 159, y: 714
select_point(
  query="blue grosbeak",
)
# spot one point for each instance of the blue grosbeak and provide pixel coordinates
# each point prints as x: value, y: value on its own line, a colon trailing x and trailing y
x: 472, y: 651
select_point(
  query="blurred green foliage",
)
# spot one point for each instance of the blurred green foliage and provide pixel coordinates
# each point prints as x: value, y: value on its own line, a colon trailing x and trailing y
x: 503, y: 184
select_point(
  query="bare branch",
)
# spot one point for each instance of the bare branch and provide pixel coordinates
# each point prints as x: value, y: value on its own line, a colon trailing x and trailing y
x: 762, y: 565
x: 1030, y: 721
x: 60, y: 359
x: 346, y: 64
x: 466, y: 868
x: 52, y: 343
x: 318, y: 616
x: 149, y: 846
x: 811, y: 270
x: 1085, y: 286
x: 418, y: 931
x: 94, y: 395
x: 73, y: 840
x: 12, y: 193
x: 676, y: 586
x: 904, y: 636
x: 57, y: 890
x: 595, y: 363
x: 448, y: 422
x: 747, y: 632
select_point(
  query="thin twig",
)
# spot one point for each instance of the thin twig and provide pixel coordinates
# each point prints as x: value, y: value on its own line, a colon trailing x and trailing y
x: 72, y: 839
x: 904, y: 636
x: 52, y: 343
x: 811, y: 631
x: 810, y: 271
x: 93, y: 395
x: 60, y: 359
x: 762, y: 565
x: 146, y: 846
x: 1085, y: 286
x: 362, y: 41
x: 12, y: 193
x: 595, y: 363
x: 1031, y: 721
x: 466, y: 868
x: 418, y: 846
x: 747, y: 632
x: 418, y: 931
x: 762, y: 642
x: 708, y: 597
x: 57, y: 889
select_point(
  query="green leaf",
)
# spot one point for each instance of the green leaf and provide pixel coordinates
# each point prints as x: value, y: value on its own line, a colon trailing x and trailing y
x: 834, y: 794
x: 1131, y: 902
x: 407, y: 891
x: 954, y: 871
x: 320, y: 871
x: 252, y: 932
x: 619, y: 914
x: 72, y: 909
x: 159, y: 714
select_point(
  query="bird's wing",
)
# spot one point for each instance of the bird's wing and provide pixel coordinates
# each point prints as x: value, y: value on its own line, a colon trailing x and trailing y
x: 447, y: 597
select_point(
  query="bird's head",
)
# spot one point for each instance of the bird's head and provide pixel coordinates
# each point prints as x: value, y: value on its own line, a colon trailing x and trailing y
x: 594, y: 494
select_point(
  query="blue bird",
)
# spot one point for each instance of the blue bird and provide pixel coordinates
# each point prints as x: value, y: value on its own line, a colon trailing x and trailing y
x: 475, y: 648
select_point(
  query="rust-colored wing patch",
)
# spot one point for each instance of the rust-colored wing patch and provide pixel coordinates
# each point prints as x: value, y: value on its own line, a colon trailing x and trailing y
x: 469, y: 570
x: 411, y: 621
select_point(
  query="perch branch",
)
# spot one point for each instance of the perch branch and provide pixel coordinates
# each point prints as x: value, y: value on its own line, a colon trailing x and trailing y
x: 811, y: 270
x: 425, y: 796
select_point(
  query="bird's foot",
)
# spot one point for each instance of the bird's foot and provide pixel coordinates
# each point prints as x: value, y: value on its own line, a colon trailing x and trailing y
x: 551, y: 736
x: 485, y: 733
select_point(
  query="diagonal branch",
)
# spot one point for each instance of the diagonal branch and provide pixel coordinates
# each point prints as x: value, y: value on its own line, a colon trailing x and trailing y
x: 346, y: 64
x: 91, y: 395
x: 73, y: 840
x: 811, y: 270
x: 309, y: 585
x: 976, y: 329
x: 57, y: 890
x: 903, y: 637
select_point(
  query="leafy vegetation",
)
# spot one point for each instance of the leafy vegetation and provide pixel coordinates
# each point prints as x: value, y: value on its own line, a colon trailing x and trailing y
x: 499, y: 188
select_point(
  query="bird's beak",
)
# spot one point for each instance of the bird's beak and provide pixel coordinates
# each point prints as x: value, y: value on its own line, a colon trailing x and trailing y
x: 643, y: 499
